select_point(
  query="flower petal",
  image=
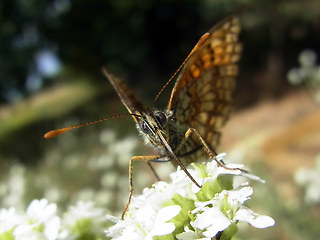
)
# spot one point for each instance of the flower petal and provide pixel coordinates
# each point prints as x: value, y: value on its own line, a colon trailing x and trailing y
x: 240, y: 195
x: 163, y: 229
x: 212, y: 220
x: 166, y: 213
x: 190, y: 235
x: 254, y: 219
x: 52, y: 227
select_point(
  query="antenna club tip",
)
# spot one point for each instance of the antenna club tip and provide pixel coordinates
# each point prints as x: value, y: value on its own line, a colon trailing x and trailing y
x: 53, y: 133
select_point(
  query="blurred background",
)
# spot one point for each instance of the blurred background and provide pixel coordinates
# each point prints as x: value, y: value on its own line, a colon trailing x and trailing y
x: 51, y: 55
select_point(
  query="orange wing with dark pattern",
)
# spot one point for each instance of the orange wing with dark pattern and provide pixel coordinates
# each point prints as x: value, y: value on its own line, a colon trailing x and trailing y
x: 202, y: 95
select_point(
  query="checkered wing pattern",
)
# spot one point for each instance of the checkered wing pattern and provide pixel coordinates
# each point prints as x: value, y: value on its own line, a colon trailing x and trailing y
x: 202, y: 95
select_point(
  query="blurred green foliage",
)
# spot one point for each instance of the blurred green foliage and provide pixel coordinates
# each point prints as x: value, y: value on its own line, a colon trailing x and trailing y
x: 140, y: 39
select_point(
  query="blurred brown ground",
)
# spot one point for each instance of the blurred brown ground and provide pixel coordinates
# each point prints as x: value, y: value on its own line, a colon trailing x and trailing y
x: 284, y: 133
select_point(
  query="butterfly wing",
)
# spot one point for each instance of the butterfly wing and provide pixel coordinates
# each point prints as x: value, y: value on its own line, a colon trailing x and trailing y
x: 202, y: 95
x: 127, y: 97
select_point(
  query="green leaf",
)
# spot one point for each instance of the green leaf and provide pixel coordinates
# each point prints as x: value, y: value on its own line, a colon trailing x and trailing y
x: 225, y: 181
x: 165, y: 237
x: 201, y: 168
x: 183, y: 218
x: 7, y: 235
x: 229, y: 232
x: 208, y: 190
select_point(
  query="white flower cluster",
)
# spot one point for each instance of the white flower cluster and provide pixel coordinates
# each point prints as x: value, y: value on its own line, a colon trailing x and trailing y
x: 308, y: 72
x: 180, y: 210
x: 40, y: 221
x: 309, y: 178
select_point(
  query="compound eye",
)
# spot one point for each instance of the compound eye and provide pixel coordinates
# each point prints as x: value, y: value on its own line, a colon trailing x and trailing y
x: 145, y: 128
x: 161, y: 118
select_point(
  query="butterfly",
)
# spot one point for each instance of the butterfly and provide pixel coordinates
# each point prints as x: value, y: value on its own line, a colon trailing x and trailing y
x: 199, y: 105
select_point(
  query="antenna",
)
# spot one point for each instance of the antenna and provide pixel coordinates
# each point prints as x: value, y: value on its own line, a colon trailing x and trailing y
x: 57, y: 132
x: 198, y: 46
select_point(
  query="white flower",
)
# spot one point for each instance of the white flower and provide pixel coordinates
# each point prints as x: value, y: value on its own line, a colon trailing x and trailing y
x: 41, y: 220
x: 309, y: 178
x: 258, y: 221
x: 190, y: 235
x: 168, y: 208
x: 161, y: 226
x: 307, y: 58
x: 82, y: 219
x: 144, y: 223
x: 146, y: 216
x: 40, y: 210
x: 295, y: 76
x: 211, y: 221
x: 9, y: 219
x: 227, y: 208
x: 308, y: 72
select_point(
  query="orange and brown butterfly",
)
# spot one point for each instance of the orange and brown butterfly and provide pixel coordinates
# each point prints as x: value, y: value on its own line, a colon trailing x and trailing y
x: 200, y: 103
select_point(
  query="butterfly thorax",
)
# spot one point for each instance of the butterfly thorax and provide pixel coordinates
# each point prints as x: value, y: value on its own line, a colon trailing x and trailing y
x: 166, y: 134
x: 188, y: 150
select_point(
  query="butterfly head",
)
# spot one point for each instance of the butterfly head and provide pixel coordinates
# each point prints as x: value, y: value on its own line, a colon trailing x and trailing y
x: 152, y: 124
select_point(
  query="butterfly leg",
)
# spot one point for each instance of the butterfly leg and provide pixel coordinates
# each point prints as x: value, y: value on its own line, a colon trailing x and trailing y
x: 210, y: 153
x: 135, y: 159
x: 153, y: 170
